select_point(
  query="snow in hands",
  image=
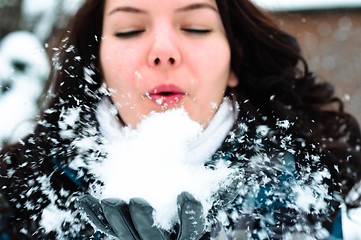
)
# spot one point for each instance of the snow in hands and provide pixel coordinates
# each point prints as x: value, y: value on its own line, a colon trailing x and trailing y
x: 154, y: 162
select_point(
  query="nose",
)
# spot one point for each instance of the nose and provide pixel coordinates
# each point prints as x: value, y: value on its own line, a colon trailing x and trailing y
x: 164, y: 52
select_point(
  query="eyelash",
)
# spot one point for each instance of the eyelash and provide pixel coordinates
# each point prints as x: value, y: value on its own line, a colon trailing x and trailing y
x: 197, y: 31
x: 134, y: 33
x: 129, y: 34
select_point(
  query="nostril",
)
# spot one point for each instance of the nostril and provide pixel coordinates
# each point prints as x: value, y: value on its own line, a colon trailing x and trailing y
x: 157, y: 61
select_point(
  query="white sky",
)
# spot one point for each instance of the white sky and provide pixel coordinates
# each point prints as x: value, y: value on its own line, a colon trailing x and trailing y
x: 280, y: 5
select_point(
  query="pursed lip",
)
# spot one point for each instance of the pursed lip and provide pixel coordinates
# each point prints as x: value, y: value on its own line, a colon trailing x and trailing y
x: 166, y: 95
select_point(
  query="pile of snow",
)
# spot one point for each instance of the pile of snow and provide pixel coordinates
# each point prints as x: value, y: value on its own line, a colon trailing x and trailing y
x: 155, y: 162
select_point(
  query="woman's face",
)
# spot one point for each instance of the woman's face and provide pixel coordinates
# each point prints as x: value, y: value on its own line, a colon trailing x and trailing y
x: 160, y: 54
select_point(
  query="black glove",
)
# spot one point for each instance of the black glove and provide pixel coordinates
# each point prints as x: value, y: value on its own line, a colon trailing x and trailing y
x: 134, y: 221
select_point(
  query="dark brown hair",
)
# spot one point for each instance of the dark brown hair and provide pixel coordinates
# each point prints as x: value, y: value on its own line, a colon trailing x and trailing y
x: 279, y: 85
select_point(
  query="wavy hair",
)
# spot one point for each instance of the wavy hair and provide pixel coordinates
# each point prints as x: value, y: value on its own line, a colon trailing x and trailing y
x: 269, y: 65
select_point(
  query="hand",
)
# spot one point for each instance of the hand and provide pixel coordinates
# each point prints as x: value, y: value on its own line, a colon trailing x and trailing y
x: 134, y: 221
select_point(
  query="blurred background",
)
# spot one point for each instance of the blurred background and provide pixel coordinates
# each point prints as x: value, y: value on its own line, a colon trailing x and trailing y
x: 329, y: 33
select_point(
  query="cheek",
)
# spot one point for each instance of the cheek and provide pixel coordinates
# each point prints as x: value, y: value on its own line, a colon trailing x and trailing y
x: 117, y: 66
x: 107, y: 61
x: 214, y: 65
x: 216, y: 75
x: 214, y: 57
x: 117, y: 57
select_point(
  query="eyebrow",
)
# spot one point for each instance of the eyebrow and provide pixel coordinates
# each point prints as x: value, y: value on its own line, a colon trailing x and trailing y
x: 196, y: 6
x: 127, y: 9
x: 190, y: 7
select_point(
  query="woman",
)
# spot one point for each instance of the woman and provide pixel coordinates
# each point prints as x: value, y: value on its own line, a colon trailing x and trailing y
x: 159, y: 55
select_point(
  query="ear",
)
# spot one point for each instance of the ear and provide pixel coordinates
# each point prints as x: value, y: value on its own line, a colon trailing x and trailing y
x: 232, y: 80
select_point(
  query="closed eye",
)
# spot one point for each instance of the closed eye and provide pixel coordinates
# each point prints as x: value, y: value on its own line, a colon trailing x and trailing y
x: 197, y: 30
x: 129, y: 34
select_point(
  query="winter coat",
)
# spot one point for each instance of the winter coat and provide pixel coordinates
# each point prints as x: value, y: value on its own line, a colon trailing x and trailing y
x: 43, y: 183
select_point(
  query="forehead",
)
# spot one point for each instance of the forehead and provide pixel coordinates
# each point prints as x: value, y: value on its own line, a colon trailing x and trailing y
x: 157, y: 5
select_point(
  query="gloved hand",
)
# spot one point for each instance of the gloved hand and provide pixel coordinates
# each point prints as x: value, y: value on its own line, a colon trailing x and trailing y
x: 134, y: 221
